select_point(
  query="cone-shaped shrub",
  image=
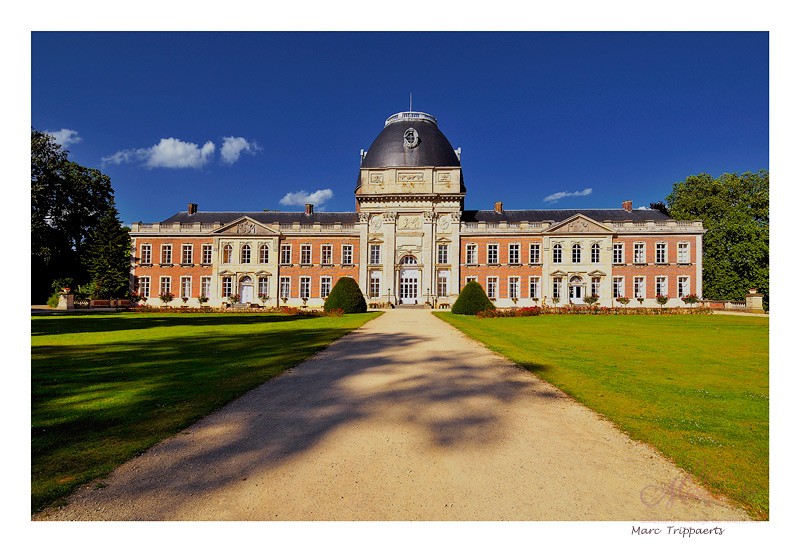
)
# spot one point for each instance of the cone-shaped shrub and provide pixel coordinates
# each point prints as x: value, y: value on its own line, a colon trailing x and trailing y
x: 472, y: 300
x: 346, y: 295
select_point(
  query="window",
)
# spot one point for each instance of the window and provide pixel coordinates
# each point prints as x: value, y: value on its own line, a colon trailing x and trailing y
x: 513, y: 254
x: 661, y: 253
x: 325, y: 286
x: 683, y: 286
x: 227, y: 286
x: 576, y: 252
x: 595, y: 252
x: 286, y: 286
x: 305, y: 254
x: 619, y: 255
x: 472, y: 254
x: 533, y: 287
x: 205, y: 286
x: 513, y: 287
x: 263, y: 287
x: 491, y: 253
x: 535, y: 253
x: 661, y: 286
x: 557, y: 287
x: 227, y: 253
x: 442, y: 283
x: 305, y: 287
x: 245, y: 254
x: 618, y: 286
x: 375, y: 283
x: 146, y: 257
x: 638, y: 253
x: 166, y: 254
x: 469, y: 279
x: 326, y: 254
x: 144, y: 286
x: 347, y: 254
x: 596, y: 286
x: 206, y: 254
x: 166, y: 284
x: 491, y: 287
x: 638, y: 287
x: 441, y: 253
x: 374, y: 254
x: 286, y: 254
x: 683, y: 253
x: 263, y: 254
x: 557, y: 253
x: 186, y: 255
x: 186, y: 286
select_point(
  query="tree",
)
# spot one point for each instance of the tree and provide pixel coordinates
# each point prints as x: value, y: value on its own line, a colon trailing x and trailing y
x: 107, y: 257
x: 67, y: 202
x: 472, y: 300
x: 734, y: 209
x: 346, y: 295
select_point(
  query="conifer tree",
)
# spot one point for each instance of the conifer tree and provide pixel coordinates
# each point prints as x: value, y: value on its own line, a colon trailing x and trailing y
x: 108, y: 257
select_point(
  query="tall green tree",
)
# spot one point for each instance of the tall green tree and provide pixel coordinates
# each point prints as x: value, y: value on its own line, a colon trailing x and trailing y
x: 107, y: 257
x: 67, y: 202
x: 734, y: 209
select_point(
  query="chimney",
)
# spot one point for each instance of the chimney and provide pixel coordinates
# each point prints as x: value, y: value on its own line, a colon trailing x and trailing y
x: 627, y: 205
x: 498, y: 207
x: 309, y: 209
x: 192, y: 208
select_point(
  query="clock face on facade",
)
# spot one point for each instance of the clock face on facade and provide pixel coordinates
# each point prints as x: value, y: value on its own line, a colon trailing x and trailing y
x: 411, y: 138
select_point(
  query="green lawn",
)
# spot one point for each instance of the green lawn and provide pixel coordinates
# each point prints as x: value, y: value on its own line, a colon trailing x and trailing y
x: 696, y: 387
x: 107, y: 387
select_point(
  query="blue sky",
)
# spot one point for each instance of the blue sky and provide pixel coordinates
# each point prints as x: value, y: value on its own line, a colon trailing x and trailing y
x: 236, y: 121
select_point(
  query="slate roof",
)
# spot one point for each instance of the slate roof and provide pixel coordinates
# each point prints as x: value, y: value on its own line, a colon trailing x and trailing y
x: 264, y: 217
x: 538, y: 215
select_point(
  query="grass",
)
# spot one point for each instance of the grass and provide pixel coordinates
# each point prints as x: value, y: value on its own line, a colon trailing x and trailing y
x: 108, y: 387
x: 695, y: 387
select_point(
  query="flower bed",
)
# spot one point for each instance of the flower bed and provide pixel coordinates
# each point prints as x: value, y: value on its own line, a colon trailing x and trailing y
x: 575, y: 309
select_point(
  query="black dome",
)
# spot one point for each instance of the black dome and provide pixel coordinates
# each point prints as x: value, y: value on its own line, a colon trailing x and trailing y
x: 390, y: 148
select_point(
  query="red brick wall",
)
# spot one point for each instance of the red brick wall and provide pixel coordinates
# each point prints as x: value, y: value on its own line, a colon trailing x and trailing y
x: 315, y: 271
x: 503, y: 270
x: 155, y: 271
x: 650, y: 271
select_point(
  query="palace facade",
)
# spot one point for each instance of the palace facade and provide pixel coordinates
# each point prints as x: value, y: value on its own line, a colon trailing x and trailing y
x: 410, y: 241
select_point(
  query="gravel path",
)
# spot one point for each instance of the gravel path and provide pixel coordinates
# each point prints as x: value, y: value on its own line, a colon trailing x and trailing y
x: 403, y: 419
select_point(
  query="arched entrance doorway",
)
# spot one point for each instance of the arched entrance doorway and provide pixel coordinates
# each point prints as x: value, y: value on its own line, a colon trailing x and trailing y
x: 246, y: 290
x: 409, y: 281
x: 576, y: 291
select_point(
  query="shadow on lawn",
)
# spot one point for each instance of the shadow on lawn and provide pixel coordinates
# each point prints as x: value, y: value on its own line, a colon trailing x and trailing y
x: 105, y: 322
x: 450, y: 397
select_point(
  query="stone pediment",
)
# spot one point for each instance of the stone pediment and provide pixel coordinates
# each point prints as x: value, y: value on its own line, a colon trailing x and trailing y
x: 246, y: 226
x: 579, y: 224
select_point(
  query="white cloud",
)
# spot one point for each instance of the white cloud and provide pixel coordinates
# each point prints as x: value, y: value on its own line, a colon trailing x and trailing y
x: 232, y: 148
x: 169, y: 153
x: 552, y: 198
x: 643, y: 208
x: 317, y: 198
x: 65, y: 136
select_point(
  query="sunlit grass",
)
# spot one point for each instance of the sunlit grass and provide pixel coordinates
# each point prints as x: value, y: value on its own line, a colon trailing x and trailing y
x: 695, y: 387
x: 107, y: 387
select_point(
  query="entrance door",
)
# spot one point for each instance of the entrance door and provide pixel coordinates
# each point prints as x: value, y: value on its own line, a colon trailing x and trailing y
x: 409, y: 281
x: 246, y: 290
x: 409, y: 287
x: 576, y: 290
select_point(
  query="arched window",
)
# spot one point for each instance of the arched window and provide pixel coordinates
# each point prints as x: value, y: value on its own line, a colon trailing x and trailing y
x: 557, y: 253
x: 408, y: 260
x: 595, y: 252
x: 263, y: 254
x: 576, y: 253
x: 227, y: 254
x: 245, y: 254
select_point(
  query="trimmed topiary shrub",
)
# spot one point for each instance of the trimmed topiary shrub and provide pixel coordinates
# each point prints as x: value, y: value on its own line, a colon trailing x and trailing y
x: 347, y: 296
x: 472, y: 300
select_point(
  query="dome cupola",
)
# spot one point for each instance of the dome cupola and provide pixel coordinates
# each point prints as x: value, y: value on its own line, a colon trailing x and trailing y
x: 410, y: 139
